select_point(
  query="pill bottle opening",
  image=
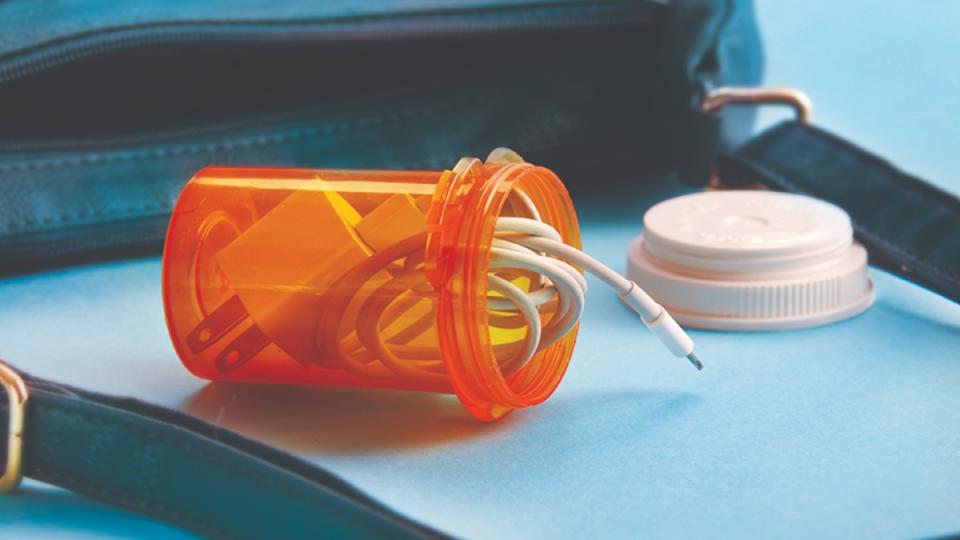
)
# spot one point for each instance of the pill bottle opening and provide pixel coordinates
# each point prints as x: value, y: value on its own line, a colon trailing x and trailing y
x: 483, y: 346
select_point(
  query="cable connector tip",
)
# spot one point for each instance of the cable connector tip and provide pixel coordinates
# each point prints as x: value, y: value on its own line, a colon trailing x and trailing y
x: 695, y: 361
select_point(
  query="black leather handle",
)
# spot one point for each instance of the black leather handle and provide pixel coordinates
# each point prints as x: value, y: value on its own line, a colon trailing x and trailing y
x: 909, y: 227
x: 179, y: 469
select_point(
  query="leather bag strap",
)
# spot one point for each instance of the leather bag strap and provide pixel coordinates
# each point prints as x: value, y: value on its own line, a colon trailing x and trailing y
x: 909, y: 227
x: 182, y: 470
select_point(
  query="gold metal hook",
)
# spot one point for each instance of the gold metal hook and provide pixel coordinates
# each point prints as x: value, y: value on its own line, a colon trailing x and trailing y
x: 719, y: 98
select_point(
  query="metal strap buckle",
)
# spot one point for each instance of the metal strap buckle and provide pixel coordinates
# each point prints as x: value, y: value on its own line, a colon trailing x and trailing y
x: 17, y: 395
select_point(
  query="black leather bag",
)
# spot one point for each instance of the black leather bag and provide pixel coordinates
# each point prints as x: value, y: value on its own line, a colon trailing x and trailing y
x: 108, y: 108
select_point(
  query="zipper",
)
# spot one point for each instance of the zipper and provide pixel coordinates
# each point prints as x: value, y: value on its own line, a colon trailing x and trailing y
x: 414, y: 24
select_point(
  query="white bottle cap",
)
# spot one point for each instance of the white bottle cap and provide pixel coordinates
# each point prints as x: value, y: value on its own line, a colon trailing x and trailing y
x: 751, y: 260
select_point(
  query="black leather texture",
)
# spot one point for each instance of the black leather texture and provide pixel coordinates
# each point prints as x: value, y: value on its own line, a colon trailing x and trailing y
x: 179, y: 469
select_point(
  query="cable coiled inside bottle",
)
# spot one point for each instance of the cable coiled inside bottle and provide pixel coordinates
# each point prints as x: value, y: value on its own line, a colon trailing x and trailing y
x: 523, y: 247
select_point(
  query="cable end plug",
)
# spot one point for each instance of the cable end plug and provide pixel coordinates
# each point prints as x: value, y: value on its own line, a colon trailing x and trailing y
x: 661, y: 324
x: 673, y: 337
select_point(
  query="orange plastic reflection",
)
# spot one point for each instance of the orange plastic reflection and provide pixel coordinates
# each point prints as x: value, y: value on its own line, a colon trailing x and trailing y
x: 355, y: 278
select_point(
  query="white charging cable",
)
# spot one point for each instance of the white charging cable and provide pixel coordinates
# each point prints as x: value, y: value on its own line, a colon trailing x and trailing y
x: 532, y: 245
x: 550, y: 305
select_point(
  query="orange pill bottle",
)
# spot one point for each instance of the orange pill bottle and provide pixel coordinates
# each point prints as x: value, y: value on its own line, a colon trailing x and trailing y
x: 361, y: 278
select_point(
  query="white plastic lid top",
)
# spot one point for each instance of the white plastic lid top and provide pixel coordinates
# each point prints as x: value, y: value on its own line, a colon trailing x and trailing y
x: 751, y: 260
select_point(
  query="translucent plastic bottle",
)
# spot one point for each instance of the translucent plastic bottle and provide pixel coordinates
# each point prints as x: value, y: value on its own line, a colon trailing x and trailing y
x: 360, y: 278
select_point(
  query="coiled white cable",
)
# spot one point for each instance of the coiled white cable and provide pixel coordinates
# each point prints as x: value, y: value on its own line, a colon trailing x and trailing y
x: 529, y: 244
x: 521, y: 246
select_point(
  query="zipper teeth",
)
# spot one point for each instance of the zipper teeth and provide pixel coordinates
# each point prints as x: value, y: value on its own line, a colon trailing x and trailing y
x: 493, y: 18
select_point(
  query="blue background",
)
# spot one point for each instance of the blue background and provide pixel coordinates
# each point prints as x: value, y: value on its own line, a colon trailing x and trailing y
x: 851, y: 430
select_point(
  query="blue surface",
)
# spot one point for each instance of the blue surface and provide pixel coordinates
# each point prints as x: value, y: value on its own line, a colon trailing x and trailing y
x: 845, y: 431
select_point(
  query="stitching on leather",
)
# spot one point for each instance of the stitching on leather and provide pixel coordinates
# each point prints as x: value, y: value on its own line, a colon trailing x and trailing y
x: 341, y: 127
x: 66, y: 218
x: 779, y: 176
x: 162, y: 207
x: 163, y: 152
